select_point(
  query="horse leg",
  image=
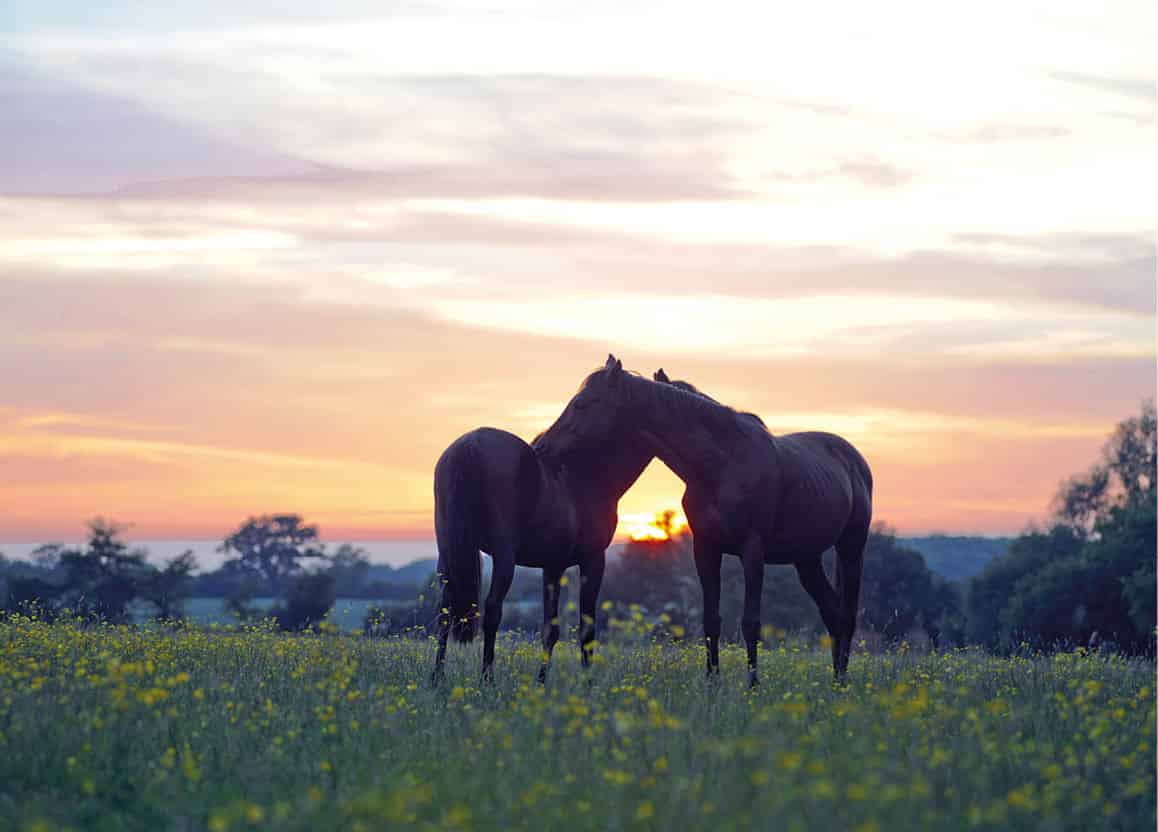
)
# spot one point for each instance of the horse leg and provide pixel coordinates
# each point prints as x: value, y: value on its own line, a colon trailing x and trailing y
x: 443, y: 634
x: 708, y: 560
x: 550, y: 617
x: 590, y: 580
x: 502, y: 573
x: 815, y: 582
x: 753, y: 560
x: 849, y: 561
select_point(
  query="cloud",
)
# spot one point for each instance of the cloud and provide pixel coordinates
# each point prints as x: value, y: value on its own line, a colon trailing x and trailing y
x: 184, y: 404
x: 1144, y: 89
x: 452, y: 136
x: 892, y: 325
x: 337, y: 245
x: 868, y: 172
x: 62, y: 138
x: 1009, y: 132
x: 352, y: 233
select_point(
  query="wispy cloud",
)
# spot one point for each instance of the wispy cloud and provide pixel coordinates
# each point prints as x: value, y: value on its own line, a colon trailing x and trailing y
x: 285, y: 255
x: 754, y: 327
x: 1145, y: 89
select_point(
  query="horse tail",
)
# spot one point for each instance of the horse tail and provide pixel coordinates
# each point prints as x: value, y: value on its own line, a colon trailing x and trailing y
x: 850, y: 551
x: 458, y: 516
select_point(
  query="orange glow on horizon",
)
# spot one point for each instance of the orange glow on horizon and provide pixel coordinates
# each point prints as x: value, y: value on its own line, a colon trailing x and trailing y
x: 662, y: 525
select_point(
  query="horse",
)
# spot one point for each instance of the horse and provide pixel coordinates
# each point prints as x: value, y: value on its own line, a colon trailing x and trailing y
x: 551, y: 504
x: 767, y: 499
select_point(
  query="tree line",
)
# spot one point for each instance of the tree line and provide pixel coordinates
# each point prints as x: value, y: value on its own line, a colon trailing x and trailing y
x: 1087, y: 577
x: 104, y: 580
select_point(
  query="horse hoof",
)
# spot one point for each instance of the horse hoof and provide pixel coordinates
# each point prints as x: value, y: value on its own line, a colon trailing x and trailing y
x: 543, y: 675
x: 753, y: 679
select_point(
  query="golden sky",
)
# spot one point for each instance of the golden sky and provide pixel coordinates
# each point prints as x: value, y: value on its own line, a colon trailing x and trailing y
x: 276, y: 258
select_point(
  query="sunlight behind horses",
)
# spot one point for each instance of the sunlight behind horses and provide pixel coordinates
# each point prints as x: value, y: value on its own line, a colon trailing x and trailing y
x: 662, y: 525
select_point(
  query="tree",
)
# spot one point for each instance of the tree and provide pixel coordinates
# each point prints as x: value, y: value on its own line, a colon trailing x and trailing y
x: 349, y: 567
x: 990, y: 592
x: 1131, y: 455
x: 272, y: 547
x: 308, y: 600
x: 1103, y: 593
x: 1091, y: 576
x: 1125, y: 475
x: 166, y: 589
x: 896, y: 586
x: 47, y: 556
x: 103, y: 578
x: 942, y: 612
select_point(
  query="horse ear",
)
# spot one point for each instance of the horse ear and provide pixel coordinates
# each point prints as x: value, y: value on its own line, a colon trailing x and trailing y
x: 661, y: 376
x: 613, y: 367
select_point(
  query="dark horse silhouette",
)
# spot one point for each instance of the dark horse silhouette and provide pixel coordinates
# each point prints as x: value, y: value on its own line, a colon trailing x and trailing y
x: 551, y: 505
x: 768, y: 499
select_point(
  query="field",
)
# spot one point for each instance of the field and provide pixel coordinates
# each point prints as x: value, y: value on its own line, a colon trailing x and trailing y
x: 347, y: 613
x: 125, y: 728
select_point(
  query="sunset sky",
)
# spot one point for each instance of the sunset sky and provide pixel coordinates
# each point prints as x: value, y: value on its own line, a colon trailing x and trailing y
x: 276, y: 255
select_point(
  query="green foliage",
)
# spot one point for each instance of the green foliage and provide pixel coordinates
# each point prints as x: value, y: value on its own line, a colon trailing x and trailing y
x: 350, y: 568
x: 990, y: 591
x: 167, y: 588
x: 895, y: 587
x: 307, y: 602
x: 1090, y: 578
x: 101, y: 580
x: 1127, y: 474
x: 273, y: 548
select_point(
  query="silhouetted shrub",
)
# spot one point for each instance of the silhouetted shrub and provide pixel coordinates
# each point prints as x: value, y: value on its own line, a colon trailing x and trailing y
x: 308, y: 601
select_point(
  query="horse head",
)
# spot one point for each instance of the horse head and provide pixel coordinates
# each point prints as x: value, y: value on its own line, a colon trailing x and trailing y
x: 592, y: 416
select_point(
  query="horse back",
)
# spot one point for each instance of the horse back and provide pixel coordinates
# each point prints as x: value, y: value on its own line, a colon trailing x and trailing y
x: 819, y: 450
x: 824, y: 486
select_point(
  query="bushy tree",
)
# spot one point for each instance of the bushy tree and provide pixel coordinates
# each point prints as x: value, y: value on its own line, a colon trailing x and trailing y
x: 990, y: 592
x: 1090, y: 578
x: 167, y: 588
x: 896, y: 586
x: 273, y: 548
x: 102, y: 579
x: 308, y: 601
x: 1124, y: 475
x: 349, y: 567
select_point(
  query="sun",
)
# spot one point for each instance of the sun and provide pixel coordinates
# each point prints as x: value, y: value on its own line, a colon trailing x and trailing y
x: 662, y: 525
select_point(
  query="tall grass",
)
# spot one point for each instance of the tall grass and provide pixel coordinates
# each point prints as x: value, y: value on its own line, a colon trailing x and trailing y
x: 123, y: 728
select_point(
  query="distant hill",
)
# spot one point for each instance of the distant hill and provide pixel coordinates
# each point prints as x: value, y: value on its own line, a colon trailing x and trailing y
x: 412, y: 574
x: 957, y: 557
x: 953, y: 557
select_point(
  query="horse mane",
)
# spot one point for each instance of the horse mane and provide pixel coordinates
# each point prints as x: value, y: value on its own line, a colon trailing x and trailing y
x: 697, y: 407
x: 688, y: 387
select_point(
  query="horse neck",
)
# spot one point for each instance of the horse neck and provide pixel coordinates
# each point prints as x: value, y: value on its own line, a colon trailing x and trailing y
x: 680, y: 427
x: 604, y: 473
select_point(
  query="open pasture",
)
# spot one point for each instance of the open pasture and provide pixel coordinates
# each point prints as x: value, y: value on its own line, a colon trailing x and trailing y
x: 126, y: 728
